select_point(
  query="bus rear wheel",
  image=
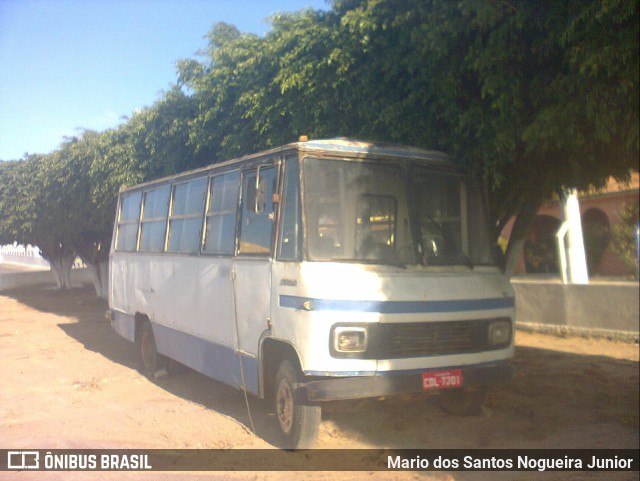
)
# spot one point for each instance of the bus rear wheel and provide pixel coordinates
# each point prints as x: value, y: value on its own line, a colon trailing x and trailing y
x: 298, y: 422
x: 150, y: 360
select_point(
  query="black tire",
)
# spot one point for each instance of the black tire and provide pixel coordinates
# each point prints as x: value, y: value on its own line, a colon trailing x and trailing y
x: 298, y: 422
x: 465, y: 401
x: 150, y: 360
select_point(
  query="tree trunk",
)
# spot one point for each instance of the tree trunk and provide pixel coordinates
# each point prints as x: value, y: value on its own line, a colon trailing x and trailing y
x: 95, y: 254
x: 524, y: 217
x: 61, y: 265
x: 514, y: 251
x: 100, y: 276
x: 104, y: 279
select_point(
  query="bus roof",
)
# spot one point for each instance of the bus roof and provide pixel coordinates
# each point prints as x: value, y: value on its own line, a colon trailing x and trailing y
x: 360, y: 148
x: 338, y: 147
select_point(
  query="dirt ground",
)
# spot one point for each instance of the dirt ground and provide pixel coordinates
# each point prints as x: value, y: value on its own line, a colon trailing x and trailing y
x: 69, y: 381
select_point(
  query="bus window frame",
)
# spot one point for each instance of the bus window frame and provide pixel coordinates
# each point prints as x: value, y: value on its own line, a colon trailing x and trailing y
x: 207, y: 215
x: 254, y: 168
x: 119, y: 222
x: 152, y: 220
x: 283, y: 203
x: 174, y: 217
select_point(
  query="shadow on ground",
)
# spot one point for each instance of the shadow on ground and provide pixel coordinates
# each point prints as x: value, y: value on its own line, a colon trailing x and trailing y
x: 553, y: 393
x: 94, y: 332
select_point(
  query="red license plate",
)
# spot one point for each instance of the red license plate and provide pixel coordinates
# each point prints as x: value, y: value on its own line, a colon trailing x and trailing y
x: 442, y: 379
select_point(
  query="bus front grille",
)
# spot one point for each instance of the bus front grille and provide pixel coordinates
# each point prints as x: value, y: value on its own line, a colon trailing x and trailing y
x: 432, y: 338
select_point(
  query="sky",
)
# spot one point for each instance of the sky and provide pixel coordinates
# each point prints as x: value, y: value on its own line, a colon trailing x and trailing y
x: 67, y: 65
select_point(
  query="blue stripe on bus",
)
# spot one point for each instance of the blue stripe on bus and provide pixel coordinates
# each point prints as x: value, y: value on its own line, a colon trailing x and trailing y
x: 396, y: 307
x: 124, y: 324
x: 210, y: 358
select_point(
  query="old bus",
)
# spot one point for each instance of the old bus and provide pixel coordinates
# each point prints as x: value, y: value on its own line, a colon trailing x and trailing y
x: 320, y: 270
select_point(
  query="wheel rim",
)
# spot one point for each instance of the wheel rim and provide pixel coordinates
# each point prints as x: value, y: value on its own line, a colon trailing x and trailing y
x: 147, y: 350
x: 284, y: 406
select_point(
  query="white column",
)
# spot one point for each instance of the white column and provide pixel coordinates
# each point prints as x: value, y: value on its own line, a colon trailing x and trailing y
x: 577, y: 272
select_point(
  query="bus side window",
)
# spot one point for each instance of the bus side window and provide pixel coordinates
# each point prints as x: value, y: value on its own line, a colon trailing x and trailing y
x: 153, y: 225
x: 220, y: 230
x: 185, y: 219
x: 256, y: 228
x: 128, y: 218
x: 290, y: 235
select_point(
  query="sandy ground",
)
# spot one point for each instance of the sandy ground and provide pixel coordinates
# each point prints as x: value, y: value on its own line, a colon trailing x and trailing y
x: 68, y: 381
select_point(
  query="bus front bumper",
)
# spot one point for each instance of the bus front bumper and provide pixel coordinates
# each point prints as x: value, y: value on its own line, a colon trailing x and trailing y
x: 388, y: 384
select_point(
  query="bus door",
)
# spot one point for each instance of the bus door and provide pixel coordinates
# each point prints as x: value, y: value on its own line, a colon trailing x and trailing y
x: 252, y: 265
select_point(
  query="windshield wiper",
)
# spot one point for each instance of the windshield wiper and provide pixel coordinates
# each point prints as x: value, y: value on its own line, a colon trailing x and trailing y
x: 448, y: 260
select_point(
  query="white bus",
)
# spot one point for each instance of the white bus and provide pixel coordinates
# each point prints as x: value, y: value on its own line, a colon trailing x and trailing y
x: 320, y: 270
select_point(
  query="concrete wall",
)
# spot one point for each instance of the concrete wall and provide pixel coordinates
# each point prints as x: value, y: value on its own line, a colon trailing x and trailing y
x: 599, y: 307
x: 23, y: 259
x: 14, y: 280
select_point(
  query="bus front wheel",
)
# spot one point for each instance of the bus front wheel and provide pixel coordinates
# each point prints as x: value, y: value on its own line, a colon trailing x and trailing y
x: 298, y: 421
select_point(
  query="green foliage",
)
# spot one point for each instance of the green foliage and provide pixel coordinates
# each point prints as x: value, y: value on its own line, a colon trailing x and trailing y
x: 529, y: 96
x: 625, y: 236
x: 16, y: 190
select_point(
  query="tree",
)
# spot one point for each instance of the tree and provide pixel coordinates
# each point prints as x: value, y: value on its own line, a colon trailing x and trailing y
x: 531, y: 96
x: 90, y: 226
x: 36, y: 209
x: 528, y: 96
x: 153, y: 143
x: 625, y: 242
x: 10, y: 215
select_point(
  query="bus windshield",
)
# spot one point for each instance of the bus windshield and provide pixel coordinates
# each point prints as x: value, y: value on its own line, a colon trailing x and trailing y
x: 390, y: 213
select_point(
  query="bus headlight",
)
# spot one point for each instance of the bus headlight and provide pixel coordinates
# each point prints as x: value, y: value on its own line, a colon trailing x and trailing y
x: 347, y: 339
x: 499, y: 332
